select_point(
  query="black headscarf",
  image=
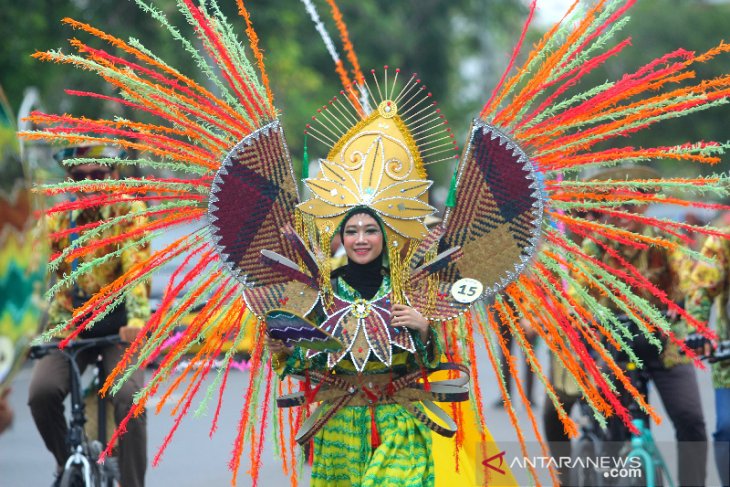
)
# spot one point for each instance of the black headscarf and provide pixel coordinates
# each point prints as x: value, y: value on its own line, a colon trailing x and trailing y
x: 366, y: 279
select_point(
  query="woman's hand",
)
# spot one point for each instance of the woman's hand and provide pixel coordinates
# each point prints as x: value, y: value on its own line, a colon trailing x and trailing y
x: 277, y: 346
x: 410, y: 318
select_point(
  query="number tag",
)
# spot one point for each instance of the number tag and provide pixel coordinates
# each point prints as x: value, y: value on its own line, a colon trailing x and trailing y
x: 467, y: 290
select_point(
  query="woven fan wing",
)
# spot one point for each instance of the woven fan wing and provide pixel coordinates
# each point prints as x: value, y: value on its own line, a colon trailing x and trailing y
x: 253, y: 198
x: 498, y: 213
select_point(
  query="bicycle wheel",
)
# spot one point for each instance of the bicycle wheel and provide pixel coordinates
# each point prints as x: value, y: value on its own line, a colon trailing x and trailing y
x: 582, y: 475
x: 638, y: 476
x: 73, y: 477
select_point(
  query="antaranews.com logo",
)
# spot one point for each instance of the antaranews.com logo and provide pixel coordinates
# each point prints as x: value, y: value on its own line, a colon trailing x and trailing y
x: 608, y: 466
x: 507, y: 465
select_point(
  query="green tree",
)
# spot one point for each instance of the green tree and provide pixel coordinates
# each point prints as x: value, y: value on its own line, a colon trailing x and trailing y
x: 432, y: 37
x: 659, y: 27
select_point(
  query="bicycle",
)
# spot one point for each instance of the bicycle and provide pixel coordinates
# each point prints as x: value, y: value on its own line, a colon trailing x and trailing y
x: 595, y: 442
x: 82, y: 468
x: 589, y: 445
x: 642, y: 445
x: 616, y: 440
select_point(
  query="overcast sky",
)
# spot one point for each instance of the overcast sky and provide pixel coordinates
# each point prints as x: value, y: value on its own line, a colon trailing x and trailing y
x: 550, y: 11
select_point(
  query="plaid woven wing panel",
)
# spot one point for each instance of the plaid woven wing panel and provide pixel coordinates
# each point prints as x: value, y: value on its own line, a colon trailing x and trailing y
x: 498, y: 211
x: 441, y: 307
x: 252, y: 198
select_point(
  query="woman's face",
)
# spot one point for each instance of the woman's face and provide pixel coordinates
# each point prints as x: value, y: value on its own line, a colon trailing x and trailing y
x: 362, y: 238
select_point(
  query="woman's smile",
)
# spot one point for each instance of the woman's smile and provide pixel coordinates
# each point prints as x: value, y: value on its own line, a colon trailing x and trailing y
x: 362, y: 238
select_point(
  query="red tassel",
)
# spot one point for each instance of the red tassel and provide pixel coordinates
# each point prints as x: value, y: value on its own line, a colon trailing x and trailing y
x: 374, y: 436
x: 310, y: 458
x: 426, y: 383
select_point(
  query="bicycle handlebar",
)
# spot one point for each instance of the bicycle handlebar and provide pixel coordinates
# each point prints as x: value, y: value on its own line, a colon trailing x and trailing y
x: 721, y: 353
x: 43, y: 349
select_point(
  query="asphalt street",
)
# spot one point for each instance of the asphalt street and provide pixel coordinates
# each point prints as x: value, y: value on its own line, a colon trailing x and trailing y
x: 193, y: 459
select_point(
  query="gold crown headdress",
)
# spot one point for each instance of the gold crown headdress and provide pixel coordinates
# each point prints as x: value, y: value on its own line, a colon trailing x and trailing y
x: 380, y: 161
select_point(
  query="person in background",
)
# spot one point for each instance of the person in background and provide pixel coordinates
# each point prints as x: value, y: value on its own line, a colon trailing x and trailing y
x: 50, y: 378
x: 709, y: 286
x: 669, y: 370
x: 6, y: 412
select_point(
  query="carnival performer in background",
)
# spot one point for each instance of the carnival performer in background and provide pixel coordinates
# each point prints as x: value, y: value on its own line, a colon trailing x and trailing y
x: 709, y: 286
x: 670, y: 370
x: 119, y: 222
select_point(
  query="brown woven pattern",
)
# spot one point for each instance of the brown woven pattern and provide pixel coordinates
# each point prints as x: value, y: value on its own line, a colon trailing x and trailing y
x: 425, y: 245
x: 378, y: 336
x: 294, y: 296
x: 493, y: 220
x: 446, y: 307
x: 253, y: 197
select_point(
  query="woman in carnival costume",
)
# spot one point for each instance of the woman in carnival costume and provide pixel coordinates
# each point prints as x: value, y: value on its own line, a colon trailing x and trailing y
x: 513, y: 198
x: 373, y: 437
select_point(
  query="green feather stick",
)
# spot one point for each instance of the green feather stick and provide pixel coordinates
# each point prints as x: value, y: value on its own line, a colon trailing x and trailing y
x: 587, y: 52
x: 612, y: 324
x: 164, y: 165
x: 693, y: 254
x: 560, y: 106
x: 603, y: 117
x: 227, y: 357
x: 233, y: 43
x: 527, y: 71
x: 53, y: 332
x: 93, y: 233
x: 85, y: 267
x: 214, y: 53
x: 549, y: 50
x: 549, y: 390
x: 159, y: 186
x: 583, y: 142
x: 202, y: 63
x: 166, y: 322
x: 534, y: 365
x: 581, y: 57
x: 159, y: 335
x: 644, y: 306
x: 136, y: 91
x: 704, y: 186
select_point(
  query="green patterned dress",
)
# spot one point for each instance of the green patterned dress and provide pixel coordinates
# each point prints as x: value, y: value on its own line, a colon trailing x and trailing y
x: 343, y: 455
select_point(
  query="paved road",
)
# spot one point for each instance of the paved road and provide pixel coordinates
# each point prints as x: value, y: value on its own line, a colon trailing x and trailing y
x: 194, y: 460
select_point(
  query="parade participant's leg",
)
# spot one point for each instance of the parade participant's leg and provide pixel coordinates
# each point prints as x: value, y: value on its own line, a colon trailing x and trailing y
x: 680, y: 394
x: 133, y: 444
x: 49, y: 386
x: 722, y: 434
x: 555, y: 435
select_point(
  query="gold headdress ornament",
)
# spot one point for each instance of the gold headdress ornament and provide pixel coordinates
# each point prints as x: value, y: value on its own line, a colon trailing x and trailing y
x: 379, y: 163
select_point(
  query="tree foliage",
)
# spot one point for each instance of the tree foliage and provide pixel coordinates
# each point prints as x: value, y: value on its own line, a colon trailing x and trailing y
x: 458, y: 47
x: 658, y: 27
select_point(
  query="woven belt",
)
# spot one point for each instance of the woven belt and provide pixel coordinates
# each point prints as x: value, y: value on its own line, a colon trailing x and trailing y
x: 337, y: 391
